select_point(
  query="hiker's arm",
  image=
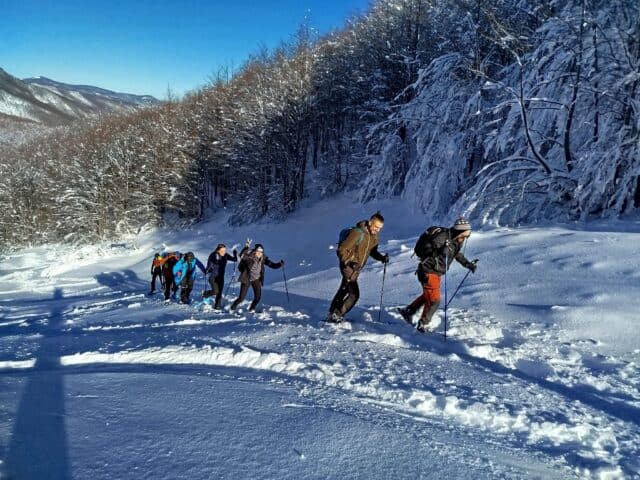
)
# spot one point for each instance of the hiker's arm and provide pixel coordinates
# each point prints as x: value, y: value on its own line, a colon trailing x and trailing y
x: 200, y: 266
x: 462, y: 260
x: 376, y: 255
x: 271, y: 264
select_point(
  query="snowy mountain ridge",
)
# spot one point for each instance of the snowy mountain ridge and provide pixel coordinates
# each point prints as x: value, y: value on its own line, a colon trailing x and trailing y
x: 47, y: 102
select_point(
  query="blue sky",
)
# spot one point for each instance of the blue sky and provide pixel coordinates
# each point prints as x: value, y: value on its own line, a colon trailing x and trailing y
x: 143, y: 46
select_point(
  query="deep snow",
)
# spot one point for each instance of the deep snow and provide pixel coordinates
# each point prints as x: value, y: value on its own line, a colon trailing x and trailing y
x: 538, y: 377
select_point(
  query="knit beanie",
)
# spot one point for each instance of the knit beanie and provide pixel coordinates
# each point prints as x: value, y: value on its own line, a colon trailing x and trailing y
x: 461, y: 224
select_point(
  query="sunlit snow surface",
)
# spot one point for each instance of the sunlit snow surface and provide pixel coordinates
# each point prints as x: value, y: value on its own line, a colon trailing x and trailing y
x: 538, y: 377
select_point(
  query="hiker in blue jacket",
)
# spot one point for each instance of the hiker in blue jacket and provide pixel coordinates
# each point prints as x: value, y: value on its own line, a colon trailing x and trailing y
x: 185, y: 273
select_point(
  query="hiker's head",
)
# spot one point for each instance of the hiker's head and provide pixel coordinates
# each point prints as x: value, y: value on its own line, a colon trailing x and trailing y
x: 189, y: 256
x: 376, y: 222
x: 221, y: 249
x: 461, y: 229
x: 259, y: 250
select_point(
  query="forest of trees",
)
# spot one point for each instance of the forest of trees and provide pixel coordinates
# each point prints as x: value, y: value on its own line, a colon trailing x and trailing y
x: 508, y: 110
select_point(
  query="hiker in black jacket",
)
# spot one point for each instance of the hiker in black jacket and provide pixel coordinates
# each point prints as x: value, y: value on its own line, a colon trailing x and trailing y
x: 216, y: 266
x: 441, y: 246
x: 251, y: 268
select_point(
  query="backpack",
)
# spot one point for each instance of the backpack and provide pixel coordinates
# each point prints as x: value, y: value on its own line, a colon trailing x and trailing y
x: 344, y: 233
x: 424, y: 245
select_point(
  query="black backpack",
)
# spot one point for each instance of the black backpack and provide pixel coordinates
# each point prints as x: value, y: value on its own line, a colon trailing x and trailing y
x: 424, y: 245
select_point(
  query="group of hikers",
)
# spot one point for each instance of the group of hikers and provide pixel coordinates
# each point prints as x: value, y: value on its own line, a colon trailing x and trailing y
x: 436, y: 250
x: 178, y: 271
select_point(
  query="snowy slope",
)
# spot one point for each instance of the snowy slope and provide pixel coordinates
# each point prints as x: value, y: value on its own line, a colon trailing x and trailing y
x: 538, y: 377
x: 44, y: 101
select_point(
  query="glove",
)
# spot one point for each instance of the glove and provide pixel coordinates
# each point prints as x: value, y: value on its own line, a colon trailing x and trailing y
x: 385, y: 259
x: 473, y: 266
x: 282, y: 263
x: 235, y: 252
x: 247, y: 243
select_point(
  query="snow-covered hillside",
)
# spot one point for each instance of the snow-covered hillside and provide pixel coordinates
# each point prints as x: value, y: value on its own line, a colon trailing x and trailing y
x: 538, y: 378
x: 44, y: 101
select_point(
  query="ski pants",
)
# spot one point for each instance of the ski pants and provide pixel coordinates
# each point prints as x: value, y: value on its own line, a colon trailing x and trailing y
x: 156, y: 273
x: 346, y: 297
x: 256, y: 285
x: 217, y: 286
x: 169, y: 284
x: 186, y: 285
x: 430, y: 296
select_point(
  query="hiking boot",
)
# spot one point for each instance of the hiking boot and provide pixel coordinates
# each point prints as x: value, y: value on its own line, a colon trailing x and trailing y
x: 406, y: 314
x: 335, y: 318
x: 423, y: 327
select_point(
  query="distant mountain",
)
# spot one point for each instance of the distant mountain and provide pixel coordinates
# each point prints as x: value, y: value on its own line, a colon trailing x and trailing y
x: 47, y: 102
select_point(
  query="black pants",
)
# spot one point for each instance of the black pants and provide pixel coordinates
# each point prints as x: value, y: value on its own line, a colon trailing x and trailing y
x: 244, y: 288
x: 156, y: 273
x: 186, y: 285
x: 217, y: 287
x: 346, y: 297
x: 169, y: 284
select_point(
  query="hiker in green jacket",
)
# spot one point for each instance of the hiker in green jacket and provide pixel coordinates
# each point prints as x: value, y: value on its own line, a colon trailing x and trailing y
x: 353, y: 251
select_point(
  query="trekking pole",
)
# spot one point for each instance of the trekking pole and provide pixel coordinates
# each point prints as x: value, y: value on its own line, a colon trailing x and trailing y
x: 459, y: 285
x: 384, y: 274
x: 285, y: 284
x: 233, y: 279
x: 446, y: 265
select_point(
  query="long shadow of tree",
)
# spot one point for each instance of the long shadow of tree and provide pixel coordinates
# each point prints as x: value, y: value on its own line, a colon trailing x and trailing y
x: 38, y: 447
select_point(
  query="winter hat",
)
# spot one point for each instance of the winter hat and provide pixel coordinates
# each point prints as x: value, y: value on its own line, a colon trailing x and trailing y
x: 259, y: 247
x: 461, y: 224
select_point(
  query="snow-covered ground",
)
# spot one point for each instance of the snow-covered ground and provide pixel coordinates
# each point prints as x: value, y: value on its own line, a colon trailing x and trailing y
x: 538, y: 377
